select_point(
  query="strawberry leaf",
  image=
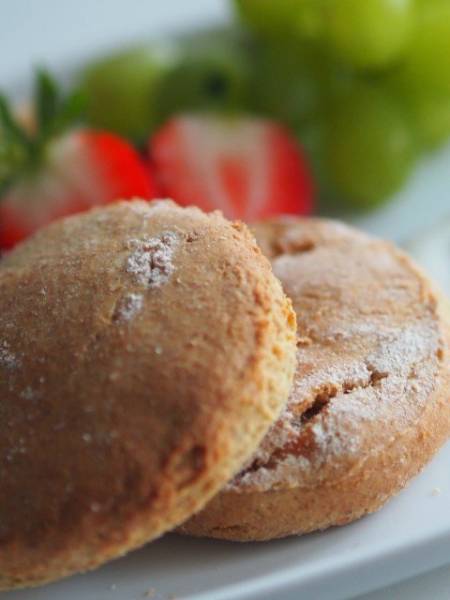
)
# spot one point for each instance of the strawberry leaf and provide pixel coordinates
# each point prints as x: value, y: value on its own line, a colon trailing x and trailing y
x: 21, y: 151
x: 15, y: 145
x: 11, y: 160
x: 54, y: 112
x: 70, y: 111
x: 9, y: 128
x: 47, y: 100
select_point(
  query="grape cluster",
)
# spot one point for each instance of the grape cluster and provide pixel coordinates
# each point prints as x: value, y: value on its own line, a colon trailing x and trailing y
x: 365, y: 84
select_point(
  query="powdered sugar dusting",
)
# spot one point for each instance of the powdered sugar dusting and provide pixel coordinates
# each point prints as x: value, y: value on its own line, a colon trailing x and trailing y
x: 27, y: 393
x: 8, y: 360
x: 412, y: 345
x: 381, y: 387
x: 368, y: 355
x: 265, y: 478
x: 151, y: 261
x: 335, y: 375
x: 147, y: 209
x: 140, y: 208
x: 128, y: 307
x: 286, y: 429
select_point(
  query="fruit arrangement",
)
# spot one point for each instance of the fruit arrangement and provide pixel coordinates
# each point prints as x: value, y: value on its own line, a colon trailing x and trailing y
x: 300, y: 105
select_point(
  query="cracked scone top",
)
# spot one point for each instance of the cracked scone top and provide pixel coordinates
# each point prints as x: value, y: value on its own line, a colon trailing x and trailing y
x: 145, y: 349
x: 371, y: 400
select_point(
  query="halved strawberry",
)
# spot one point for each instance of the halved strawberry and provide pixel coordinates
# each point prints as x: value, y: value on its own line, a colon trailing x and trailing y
x: 52, y: 173
x: 249, y: 168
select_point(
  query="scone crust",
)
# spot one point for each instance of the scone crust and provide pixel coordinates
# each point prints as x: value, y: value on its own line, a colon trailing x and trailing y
x: 370, y: 404
x: 145, y: 350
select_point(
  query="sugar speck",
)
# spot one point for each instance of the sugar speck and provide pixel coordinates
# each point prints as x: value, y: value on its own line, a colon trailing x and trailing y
x: 151, y: 260
x: 128, y: 306
x: 27, y: 393
x: 7, y: 358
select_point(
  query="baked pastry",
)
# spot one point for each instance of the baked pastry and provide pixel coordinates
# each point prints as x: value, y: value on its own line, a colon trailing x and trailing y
x: 370, y: 403
x: 145, y: 350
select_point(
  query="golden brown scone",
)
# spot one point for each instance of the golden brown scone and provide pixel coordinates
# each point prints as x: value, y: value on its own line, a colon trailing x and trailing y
x: 144, y: 352
x: 371, y: 399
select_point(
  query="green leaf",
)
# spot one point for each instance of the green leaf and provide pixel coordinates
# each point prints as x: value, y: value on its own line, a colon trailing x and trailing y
x: 46, y: 100
x: 54, y: 112
x: 22, y: 152
x: 15, y: 146
x: 12, y: 158
x: 9, y: 127
x: 71, y: 110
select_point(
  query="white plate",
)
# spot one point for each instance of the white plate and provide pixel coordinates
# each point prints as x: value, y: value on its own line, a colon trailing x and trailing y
x: 409, y: 536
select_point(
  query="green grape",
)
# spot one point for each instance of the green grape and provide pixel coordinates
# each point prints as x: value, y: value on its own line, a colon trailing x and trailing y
x: 270, y: 17
x: 431, y: 113
x: 122, y: 89
x: 368, y: 33
x: 428, y: 58
x: 281, y: 18
x: 427, y: 107
x: 370, y: 146
x: 309, y: 21
x: 287, y: 82
x: 212, y: 73
x: 310, y: 136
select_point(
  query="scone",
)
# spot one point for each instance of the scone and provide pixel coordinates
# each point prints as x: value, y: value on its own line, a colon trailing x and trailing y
x: 371, y: 400
x: 145, y: 350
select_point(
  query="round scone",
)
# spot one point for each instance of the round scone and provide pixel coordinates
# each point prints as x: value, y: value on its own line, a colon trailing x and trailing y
x: 370, y: 403
x: 145, y: 350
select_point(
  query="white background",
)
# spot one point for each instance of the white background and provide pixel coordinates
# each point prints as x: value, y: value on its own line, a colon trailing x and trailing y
x: 64, y: 32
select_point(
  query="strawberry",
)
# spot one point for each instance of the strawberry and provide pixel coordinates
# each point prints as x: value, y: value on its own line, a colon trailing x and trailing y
x: 249, y: 168
x: 54, y: 171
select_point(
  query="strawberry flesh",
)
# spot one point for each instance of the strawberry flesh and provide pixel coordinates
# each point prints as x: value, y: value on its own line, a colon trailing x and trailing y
x: 247, y: 167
